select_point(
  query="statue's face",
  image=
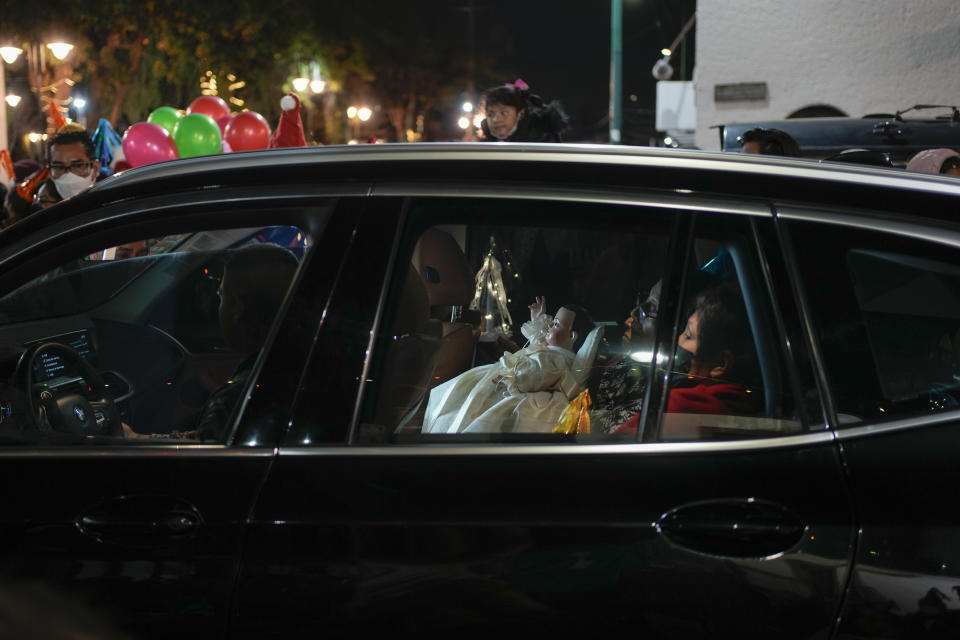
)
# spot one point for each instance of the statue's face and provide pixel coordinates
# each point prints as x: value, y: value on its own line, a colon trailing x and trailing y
x: 560, y: 333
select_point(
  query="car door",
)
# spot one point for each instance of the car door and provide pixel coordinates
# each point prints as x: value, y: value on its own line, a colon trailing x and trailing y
x: 887, y: 330
x: 691, y: 525
x: 143, y: 533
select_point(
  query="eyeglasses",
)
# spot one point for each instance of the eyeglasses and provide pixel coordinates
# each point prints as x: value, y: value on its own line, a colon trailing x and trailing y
x: 645, y: 308
x: 77, y: 168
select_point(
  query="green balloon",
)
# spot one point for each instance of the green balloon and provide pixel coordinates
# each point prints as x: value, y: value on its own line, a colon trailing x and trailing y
x: 196, y: 134
x: 166, y: 117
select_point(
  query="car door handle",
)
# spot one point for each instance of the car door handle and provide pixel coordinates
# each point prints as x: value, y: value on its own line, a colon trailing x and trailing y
x: 140, y: 520
x: 738, y: 527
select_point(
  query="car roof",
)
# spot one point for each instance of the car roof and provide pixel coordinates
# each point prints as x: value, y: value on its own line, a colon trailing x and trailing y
x: 493, y: 165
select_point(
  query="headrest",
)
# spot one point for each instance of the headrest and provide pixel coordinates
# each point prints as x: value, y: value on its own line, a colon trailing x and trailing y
x: 413, y: 311
x: 440, y: 262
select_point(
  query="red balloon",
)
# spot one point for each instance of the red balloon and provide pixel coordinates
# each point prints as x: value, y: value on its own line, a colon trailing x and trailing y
x: 145, y: 143
x: 212, y: 106
x: 223, y: 122
x: 122, y: 165
x: 247, y: 131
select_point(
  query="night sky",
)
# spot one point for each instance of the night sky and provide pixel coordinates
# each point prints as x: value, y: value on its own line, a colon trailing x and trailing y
x: 562, y: 50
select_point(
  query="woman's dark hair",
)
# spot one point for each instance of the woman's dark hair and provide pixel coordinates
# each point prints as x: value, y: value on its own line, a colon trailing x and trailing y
x: 953, y: 162
x: 772, y: 142
x: 582, y: 324
x: 513, y: 97
x: 722, y: 323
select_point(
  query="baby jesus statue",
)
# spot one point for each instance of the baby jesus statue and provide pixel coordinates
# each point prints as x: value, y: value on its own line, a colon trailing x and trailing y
x: 526, y: 391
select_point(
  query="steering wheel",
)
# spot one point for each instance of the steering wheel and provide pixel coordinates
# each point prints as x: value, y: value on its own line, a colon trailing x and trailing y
x: 68, y: 409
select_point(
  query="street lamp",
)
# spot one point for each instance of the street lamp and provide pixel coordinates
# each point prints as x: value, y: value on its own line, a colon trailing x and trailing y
x: 80, y: 104
x: 364, y: 113
x: 60, y: 50
x: 300, y: 84
x: 10, y: 54
x: 13, y: 100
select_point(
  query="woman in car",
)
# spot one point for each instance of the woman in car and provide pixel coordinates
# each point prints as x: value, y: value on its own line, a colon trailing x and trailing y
x: 710, y: 365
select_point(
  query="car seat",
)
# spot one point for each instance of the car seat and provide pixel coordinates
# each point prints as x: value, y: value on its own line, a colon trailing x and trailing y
x: 443, y: 267
x: 411, y: 356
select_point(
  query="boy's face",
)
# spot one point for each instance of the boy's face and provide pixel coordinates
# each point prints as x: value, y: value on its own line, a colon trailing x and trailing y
x: 560, y: 333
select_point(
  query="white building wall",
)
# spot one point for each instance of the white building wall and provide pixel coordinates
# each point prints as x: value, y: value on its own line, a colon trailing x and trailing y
x: 860, y: 56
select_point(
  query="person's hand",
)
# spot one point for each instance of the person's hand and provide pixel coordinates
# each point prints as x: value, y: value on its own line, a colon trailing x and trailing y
x: 130, y: 433
x: 538, y: 307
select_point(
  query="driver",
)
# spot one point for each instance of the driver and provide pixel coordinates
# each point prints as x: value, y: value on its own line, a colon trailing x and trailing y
x: 254, y: 282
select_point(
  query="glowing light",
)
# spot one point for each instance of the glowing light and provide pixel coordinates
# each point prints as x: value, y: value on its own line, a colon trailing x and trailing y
x: 300, y: 84
x: 60, y: 50
x: 317, y: 85
x: 666, y: 52
x: 79, y: 103
x: 12, y: 100
x: 642, y: 356
x: 352, y: 142
x: 463, y: 122
x: 668, y: 141
x: 10, y: 54
x: 467, y: 106
x: 33, y: 136
x: 477, y: 120
x: 364, y: 113
x: 351, y: 112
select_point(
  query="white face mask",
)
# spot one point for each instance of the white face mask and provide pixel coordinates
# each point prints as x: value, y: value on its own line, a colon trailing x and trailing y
x: 70, y: 184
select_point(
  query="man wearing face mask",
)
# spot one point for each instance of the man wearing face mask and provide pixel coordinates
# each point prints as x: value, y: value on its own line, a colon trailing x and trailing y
x: 72, y: 162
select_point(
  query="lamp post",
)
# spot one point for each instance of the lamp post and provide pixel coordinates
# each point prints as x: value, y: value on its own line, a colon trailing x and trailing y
x: 9, y: 55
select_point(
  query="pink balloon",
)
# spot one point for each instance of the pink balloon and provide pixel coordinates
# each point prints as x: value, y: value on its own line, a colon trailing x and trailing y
x: 146, y: 143
x: 213, y: 106
x: 247, y: 131
x: 222, y: 122
x: 225, y: 147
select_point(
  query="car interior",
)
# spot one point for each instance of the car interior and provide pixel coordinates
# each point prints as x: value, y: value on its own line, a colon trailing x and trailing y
x: 447, y: 318
x: 133, y: 328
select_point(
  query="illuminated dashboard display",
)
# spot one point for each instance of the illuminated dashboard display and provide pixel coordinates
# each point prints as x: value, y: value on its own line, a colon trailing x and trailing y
x: 51, y: 365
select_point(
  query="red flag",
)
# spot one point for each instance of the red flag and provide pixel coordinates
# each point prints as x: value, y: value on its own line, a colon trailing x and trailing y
x: 28, y: 187
x: 56, y: 117
x: 6, y: 163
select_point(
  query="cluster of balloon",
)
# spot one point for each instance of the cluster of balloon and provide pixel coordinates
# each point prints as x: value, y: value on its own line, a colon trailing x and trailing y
x: 208, y: 127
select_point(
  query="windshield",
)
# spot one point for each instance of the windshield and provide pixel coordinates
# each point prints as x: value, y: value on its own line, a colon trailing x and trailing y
x: 90, y: 281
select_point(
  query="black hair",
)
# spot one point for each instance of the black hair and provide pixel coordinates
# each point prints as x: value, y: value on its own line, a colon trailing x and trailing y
x: 722, y: 323
x: 15, y: 206
x: 583, y: 324
x: 772, y: 142
x: 953, y: 162
x: 71, y: 137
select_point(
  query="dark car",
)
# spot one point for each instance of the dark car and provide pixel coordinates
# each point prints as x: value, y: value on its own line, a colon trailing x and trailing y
x: 896, y: 135
x: 385, y: 454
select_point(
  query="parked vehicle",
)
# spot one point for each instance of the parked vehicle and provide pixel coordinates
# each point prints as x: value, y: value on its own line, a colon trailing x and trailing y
x: 820, y: 504
x: 898, y: 135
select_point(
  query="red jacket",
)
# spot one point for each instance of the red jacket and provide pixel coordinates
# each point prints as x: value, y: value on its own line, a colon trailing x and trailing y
x: 707, y: 397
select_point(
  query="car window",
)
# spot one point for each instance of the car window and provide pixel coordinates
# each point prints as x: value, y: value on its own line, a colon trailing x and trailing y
x: 726, y: 378
x: 537, y: 321
x: 147, y: 347
x: 887, y: 310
